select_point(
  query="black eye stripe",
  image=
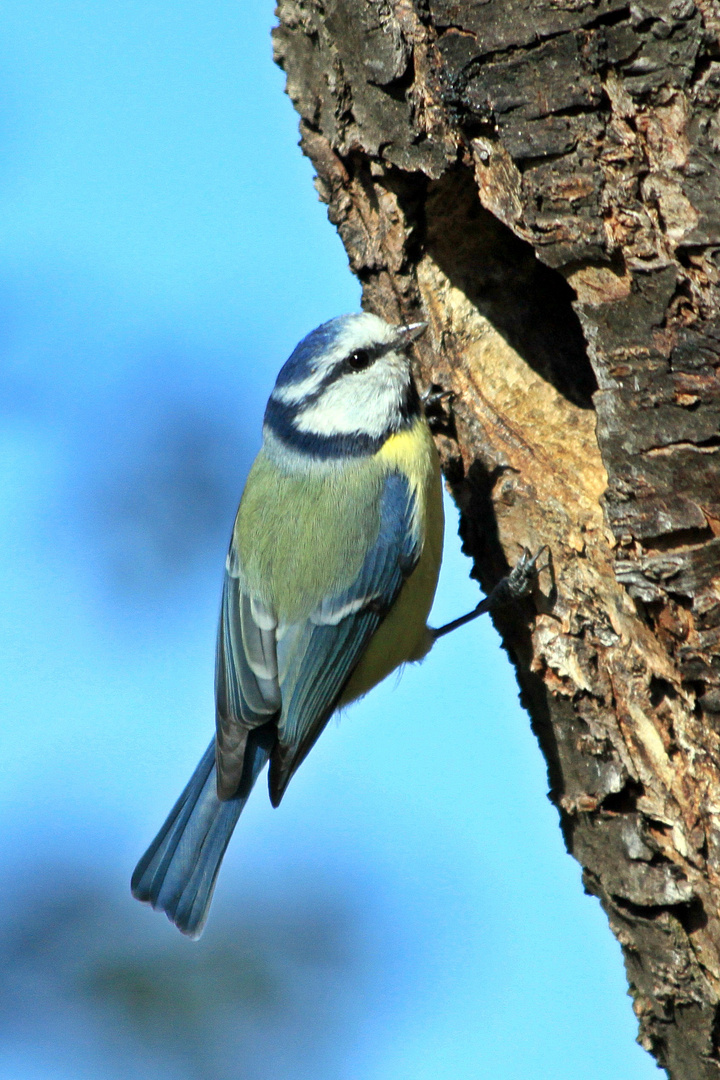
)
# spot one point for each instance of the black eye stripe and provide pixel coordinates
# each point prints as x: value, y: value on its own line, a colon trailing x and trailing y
x: 343, y: 367
x: 368, y: 354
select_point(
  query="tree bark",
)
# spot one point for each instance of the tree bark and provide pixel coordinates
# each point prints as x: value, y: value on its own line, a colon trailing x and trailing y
x: 539, y: 180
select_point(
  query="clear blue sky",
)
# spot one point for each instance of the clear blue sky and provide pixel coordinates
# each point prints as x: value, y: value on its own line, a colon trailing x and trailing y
x: 161, y: 251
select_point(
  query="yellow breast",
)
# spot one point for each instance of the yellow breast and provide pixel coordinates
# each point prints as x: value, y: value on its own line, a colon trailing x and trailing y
x: 403, y: 634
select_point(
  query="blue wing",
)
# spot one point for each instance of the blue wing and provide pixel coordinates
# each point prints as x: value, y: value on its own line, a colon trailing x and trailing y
x: 294, y: 673
x: 316, y: 657
x: 276, y: 688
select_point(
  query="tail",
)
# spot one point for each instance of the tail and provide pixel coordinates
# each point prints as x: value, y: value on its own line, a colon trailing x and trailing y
x: 177, y: 873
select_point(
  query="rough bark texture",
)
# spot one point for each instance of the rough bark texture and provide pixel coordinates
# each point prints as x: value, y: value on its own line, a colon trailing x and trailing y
x: 539, y: 179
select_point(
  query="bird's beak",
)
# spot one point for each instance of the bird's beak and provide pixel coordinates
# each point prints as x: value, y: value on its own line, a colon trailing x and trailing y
x: 407, y: 334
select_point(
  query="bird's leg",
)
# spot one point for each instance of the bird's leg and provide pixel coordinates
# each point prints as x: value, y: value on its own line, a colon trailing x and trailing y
x: 517, y: 584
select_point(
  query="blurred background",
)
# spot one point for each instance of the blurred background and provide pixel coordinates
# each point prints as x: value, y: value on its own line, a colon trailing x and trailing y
x: 409, y: 911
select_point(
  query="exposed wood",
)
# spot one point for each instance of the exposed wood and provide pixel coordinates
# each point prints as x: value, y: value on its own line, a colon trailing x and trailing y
x: 540, y: 181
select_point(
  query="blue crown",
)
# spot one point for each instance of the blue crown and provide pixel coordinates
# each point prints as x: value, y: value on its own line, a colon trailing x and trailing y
x: 300, y: 363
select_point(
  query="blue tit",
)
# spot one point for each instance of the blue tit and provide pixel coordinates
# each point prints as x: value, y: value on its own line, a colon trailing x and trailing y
x: 329, y: 581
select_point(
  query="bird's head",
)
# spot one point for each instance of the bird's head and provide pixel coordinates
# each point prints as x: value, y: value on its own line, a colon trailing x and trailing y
x: 346, y: 388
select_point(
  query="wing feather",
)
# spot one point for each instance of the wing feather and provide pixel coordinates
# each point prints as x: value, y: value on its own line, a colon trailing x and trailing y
x: 294, y: 673
x: 318, y: 664
x: 247, y: 691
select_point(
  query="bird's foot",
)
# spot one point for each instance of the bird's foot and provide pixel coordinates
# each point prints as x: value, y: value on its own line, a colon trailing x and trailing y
x: 520, y: 580
x: 514, y: 586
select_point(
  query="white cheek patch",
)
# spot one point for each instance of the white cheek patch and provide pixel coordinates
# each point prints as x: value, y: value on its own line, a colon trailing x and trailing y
x: 367, y: 402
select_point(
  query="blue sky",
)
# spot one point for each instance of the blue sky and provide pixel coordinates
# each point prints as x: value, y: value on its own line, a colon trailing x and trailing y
x: 161, y: 251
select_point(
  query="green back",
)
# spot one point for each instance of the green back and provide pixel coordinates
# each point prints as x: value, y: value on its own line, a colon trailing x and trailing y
x: 303, y: 536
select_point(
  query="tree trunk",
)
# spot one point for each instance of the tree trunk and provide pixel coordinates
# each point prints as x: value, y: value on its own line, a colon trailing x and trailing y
x: 539, y: 180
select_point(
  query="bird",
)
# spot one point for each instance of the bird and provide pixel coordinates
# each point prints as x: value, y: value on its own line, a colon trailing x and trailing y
x: 329, y: 579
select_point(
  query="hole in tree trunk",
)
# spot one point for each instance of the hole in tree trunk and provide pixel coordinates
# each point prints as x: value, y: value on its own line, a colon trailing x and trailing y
x: 529, y: 304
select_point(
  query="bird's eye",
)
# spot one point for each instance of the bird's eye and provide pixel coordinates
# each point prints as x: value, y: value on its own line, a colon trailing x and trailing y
x: 359, y: 359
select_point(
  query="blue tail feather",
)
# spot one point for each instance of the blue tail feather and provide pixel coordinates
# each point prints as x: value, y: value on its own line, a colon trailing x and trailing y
x: 177, y: 873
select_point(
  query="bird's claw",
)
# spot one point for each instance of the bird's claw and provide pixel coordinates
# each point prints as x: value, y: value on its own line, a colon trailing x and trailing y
x: 435, y: 398
x: 522, y: 577
x: 438, y: 408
